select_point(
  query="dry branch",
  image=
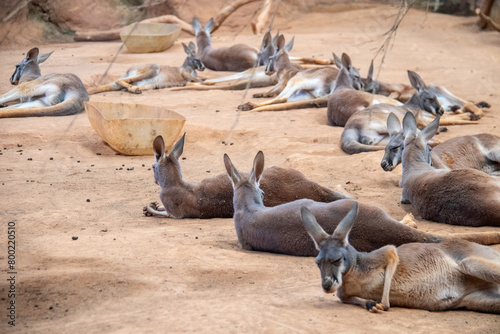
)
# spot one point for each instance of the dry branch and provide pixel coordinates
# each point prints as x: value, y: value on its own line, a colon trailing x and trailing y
x: 263, y: 17
x: 228, y: 10
x: 488, y: 20
x: 114, y: 34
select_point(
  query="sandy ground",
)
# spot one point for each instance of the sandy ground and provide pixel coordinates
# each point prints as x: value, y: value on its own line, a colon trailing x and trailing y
x: 130, y: 273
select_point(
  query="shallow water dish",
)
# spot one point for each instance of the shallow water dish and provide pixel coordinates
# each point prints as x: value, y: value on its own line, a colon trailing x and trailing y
x: 131, y: 128
x: 149, y: 37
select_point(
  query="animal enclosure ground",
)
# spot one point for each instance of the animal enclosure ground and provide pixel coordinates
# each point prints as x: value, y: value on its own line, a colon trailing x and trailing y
x: 130, y: 273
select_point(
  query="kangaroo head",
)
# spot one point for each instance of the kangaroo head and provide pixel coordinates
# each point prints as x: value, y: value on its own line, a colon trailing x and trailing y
x: 280, y: 55
x: 167, y: 169
x: 252, y: 181
x: 415, y: 145
x: 349, y: 75
x: 394, y: 149
x: 267, y: 49
x: 336, y: 255
x: 28, y: 68
x: 192, y: 60
x: 424, y: 97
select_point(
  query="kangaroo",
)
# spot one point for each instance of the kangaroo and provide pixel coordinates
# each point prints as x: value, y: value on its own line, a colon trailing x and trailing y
x: 254, y: 77
x: 139, y: 78
x: 463, y: 196
x: 366, y: 129
x: 213, y: 197
x: 294, y: 83
x: 480, y: 151
x: 251, y: 78
x: 42, y: 95
x: 235, y: 58
x: 346, y: 99
x: 403, y: 93
x: 279, y: 229
x: 448, y: 275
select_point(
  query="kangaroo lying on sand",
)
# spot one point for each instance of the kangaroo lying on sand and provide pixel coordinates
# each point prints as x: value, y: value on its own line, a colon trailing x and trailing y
x: 481, y: 151
x: 448, y: 275
x: 235, y: 58
x: 464, y: 196
x: 150, y: 76
x: 279, y: 229
x: 42, y: 95
x: 404, y: 92
x: 213, y: 198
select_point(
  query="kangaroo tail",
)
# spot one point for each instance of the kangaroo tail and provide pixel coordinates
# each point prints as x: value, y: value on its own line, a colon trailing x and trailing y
x: 350, y: 144
x: 65, y: 108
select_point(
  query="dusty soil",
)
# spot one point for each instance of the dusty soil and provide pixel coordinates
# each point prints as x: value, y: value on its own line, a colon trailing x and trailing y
x: 130, y: 273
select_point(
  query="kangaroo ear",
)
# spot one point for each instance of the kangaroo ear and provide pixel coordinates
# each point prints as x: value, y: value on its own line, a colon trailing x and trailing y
x: 267, y: 40
x: 178, y: 148
x: 258, y: 168
x: 416, y: 81
x: 318, y: 235
x: 430, y: 130
x: 393, y: 124
x: 192, y: 47
x: 346, y: 61
x: 32, y: 54
x: 409, y: 125
x: 196, y: 25
x: 280, y: 43
x: 186, y: 49
x: 369, y: 77
x: 209, y: 26
x: 341, y: 233
x: 337, y: 60
x: 159, y: 147
x: 289, y: 46
x: 42, y: 58
x: 275, y: 38
x: 231, y: 171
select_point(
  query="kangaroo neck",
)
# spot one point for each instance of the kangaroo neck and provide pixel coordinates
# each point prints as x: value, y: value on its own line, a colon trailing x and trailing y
x: 343, y: 80
x: 203, y: 42
x: 247, y: 197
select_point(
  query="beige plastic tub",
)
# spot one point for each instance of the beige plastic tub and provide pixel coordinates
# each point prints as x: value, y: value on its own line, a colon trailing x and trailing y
x: 149, y: 37
x: 131, y: 128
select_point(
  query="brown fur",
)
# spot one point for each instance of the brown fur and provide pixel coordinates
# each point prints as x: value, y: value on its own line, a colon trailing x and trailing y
x: 279, y: 230
x: 48, y: 95
x: 465, y: 196
x: 213, y: 197
x: 448, y: 275
x: 235, y: 58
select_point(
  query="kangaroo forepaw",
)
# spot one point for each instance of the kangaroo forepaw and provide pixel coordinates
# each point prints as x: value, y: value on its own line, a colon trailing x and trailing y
x: 146, y: 212
x: 374, y: 307
x: 483, y: 104
x: 246, y: 107
x: 134, y: 90
x: 409, y: 220
x: 474, y: 117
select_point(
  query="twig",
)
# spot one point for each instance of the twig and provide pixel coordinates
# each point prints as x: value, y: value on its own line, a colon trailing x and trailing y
x: 487, y: 19
x: 404, y: 8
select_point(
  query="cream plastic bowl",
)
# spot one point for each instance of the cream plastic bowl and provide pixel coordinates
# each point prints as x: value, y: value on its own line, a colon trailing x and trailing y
x: 131, y: 128
x: 149, y: 37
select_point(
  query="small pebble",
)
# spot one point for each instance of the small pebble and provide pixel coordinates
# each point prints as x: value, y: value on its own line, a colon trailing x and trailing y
x: 88, y: 200
x: 98, y: 154
x: 51, y: 158
x: 74, y: 238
